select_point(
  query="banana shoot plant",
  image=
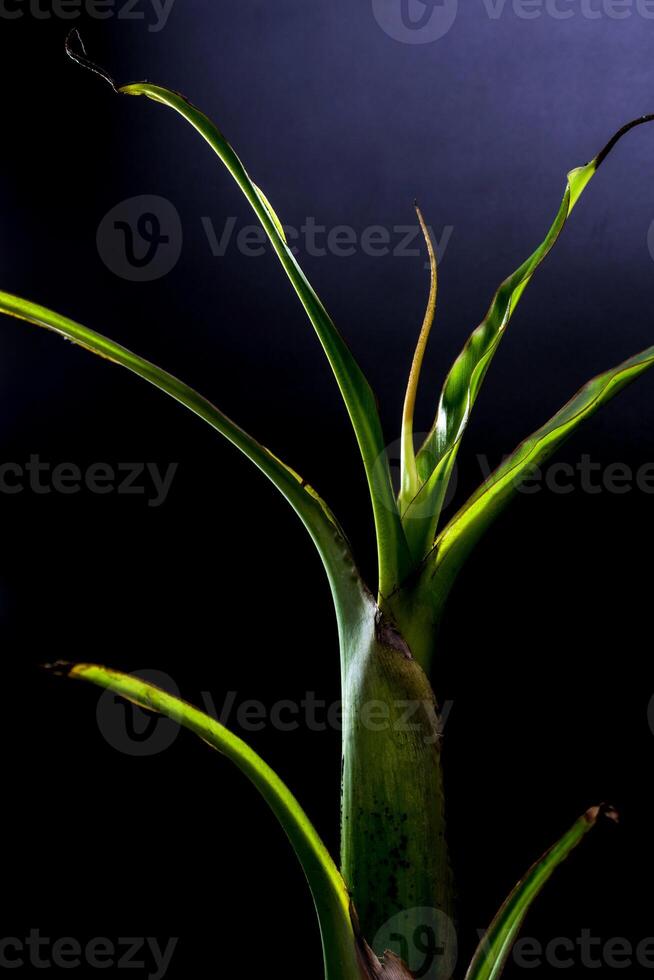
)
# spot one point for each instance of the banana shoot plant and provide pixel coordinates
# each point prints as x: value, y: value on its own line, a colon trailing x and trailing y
x: 393, y: 862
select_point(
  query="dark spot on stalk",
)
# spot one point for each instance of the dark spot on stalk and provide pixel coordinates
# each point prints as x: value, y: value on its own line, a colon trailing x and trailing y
x: 388, y: 635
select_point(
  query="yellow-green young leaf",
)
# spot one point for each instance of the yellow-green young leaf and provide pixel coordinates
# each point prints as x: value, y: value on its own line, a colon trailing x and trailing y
x: 393, y: 554
x: 491, y: 955
x: 458, y: 537
x: 340, y: 945
x: 436, y: 458
x: 409, y: 479
x: 350, y: 597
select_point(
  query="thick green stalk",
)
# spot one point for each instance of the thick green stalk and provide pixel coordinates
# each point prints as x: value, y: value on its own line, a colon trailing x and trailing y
x: 393, y: 852
x: 391, y: 771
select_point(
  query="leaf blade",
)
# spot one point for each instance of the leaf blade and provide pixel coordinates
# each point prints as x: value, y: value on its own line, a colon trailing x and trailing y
x: 409, y: 475
x: 347, y: 589
x: 435, y: 459
x: 465, y: 528
x: 493, y: 950
x: 393, y: 553
x: 330, y: 894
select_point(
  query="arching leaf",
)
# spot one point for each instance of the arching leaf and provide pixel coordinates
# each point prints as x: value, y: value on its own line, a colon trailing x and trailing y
x: 436, y: 458
x: 349, y: 594
x: 393, y: 554
x: 493, y: 950
x: 465, y: 528
x: 332, y: 901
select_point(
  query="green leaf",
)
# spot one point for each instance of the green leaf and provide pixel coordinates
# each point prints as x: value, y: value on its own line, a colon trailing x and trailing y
x: 417, y: 607
x: 330, y: 895
x: 272, y: 213
x: 465, y: 528
x: 436, y: 457
x: 350, y: 596
x: 410, y: 483
x: 393, y: 554
x: 491, y: 955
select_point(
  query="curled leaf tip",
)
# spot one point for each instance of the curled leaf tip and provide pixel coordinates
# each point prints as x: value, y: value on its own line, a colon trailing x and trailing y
x: 76, y: 51
x: 60, y: 668
x: 602, y: 155
x: 603, y: 811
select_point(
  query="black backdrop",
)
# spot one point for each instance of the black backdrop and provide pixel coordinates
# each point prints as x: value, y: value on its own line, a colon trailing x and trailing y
x: 545, y: 649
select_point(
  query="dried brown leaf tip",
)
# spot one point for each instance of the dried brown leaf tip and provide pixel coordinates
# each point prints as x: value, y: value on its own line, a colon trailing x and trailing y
x: 60, y: 668
x: 390, y: 967
x: 603, y: 811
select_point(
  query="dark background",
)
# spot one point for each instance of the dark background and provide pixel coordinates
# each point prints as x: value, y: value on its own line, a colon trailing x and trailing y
x: 545, y: 649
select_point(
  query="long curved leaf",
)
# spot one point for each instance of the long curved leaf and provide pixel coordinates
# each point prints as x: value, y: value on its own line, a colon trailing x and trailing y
x: 458, y: 537
x: 393, y: 554
x: 436, y: 458
x: 491, y: 955
x: 350, y: 597
x: 330, y: 895
x: 410, y: 483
